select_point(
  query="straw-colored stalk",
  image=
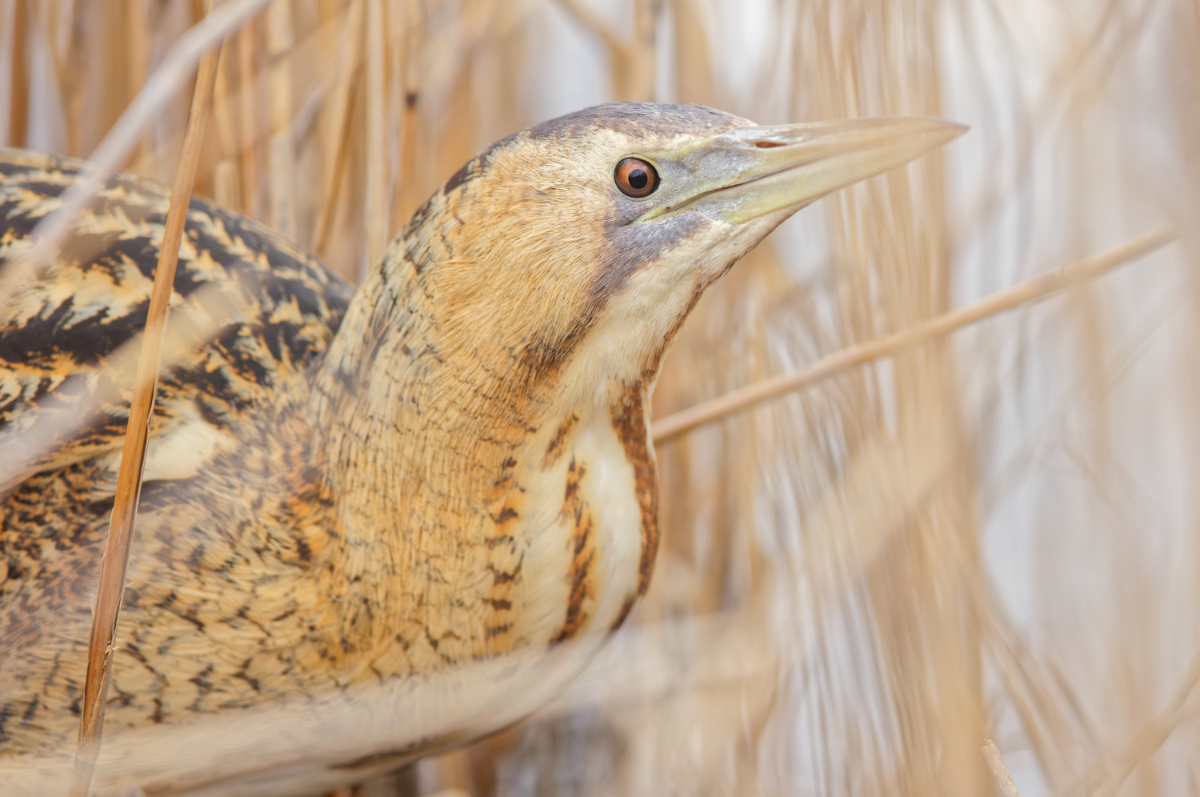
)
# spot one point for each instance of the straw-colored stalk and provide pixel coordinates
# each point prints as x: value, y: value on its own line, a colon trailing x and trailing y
x: 111, y: 586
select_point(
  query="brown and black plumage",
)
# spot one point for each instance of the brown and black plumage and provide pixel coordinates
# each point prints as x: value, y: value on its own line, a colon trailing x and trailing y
x: 346, y: 490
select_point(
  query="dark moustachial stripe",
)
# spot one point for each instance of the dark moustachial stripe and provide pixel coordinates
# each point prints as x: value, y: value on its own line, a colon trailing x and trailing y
x: 629, y: 421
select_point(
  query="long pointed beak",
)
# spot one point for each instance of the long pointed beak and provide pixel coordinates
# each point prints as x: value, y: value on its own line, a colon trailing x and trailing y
x: 750, y: 172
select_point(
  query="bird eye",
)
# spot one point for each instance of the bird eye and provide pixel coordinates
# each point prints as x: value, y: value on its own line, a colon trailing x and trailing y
x: 636, y: 178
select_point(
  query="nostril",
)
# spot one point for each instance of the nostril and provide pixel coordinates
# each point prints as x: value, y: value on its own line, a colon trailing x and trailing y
x: 768, y: 144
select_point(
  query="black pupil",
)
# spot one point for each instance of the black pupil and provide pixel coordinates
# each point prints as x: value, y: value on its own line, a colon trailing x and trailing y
x: 638, y: 178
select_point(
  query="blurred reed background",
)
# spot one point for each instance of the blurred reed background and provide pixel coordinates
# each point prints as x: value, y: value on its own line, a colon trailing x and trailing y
x: 989, y: 536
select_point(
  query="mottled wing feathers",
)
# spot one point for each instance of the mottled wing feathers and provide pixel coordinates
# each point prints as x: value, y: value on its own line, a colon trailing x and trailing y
x: 61, y: 334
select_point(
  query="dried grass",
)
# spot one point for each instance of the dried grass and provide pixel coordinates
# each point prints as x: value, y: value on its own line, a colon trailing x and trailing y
x: 986, y: 536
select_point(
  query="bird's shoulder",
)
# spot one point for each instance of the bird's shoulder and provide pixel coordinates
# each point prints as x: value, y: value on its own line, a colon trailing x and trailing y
x: 68, y: 333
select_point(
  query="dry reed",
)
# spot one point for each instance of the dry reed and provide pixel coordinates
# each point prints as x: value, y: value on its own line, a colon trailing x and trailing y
x: 111, y: 586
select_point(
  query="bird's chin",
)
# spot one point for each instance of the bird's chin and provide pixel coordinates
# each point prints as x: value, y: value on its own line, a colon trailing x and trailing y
x: 734, y: 240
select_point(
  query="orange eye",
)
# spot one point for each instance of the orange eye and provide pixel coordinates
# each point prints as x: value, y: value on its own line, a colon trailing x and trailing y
x: 636, y: 178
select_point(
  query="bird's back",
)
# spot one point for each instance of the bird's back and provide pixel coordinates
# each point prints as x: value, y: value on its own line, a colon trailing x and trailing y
x: 61, y: 331
x: 64, y: 381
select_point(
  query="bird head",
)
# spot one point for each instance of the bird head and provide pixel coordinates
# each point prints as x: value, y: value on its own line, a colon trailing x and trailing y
x: 599, y: 230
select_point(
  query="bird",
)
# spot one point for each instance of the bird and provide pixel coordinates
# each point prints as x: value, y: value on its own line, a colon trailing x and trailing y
x: 352, y: 488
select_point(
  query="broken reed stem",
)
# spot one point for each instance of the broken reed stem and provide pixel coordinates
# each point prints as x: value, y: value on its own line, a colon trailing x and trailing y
x: 1034, y: 290
x: 337, y: 151
x: 377, y: 171
x: 129, y: 477
x: 1008, y: 787
x: 251, y: 113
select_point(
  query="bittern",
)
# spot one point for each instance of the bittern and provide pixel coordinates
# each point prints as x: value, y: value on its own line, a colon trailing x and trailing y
x: 450, y: 464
